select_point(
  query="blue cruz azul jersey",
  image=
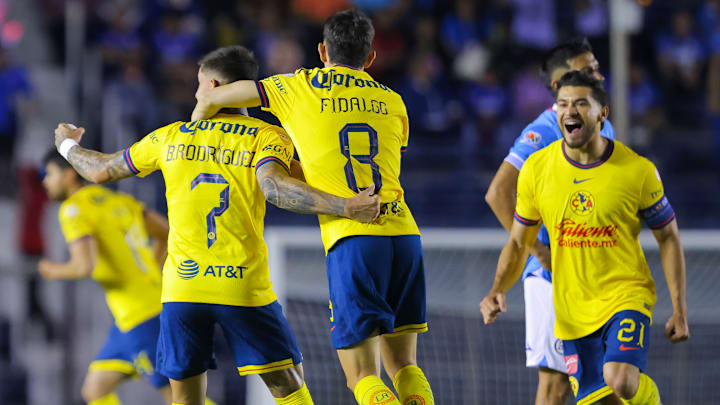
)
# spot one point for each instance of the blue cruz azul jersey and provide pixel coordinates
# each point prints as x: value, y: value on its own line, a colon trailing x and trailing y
x: 537, y: 135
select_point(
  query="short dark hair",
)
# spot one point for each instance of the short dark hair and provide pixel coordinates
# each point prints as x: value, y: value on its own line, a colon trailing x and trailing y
x: 232, y: 63
x: 557, y: 58
x: 577, y: 78
x: 348, y: 36
x: 53, y: 156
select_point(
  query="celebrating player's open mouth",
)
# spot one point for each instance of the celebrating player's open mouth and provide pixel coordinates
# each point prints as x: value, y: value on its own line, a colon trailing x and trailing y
x: 574, y: 132
x: 573, y: 127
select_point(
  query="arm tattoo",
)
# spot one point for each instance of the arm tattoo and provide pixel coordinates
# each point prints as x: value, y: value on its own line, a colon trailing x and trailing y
x: 99, y: 167
x: 293, y: 195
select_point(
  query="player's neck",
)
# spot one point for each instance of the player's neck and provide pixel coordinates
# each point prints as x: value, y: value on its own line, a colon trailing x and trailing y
x: 591, y: 152
x: 75, y: 187
x: 333, y: 64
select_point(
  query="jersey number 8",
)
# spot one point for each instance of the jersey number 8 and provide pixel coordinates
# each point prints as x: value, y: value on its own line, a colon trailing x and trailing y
x: 365, y: 159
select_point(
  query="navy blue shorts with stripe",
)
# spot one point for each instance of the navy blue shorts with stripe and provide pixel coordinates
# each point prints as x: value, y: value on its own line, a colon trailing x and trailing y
x: 132, y: 352
x: 377, y: 283
x: 625, y: 338
x: 259, y: 337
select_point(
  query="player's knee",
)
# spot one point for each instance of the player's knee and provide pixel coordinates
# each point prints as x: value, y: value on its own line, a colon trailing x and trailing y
x: 622, y: 384
x: 283, y: 383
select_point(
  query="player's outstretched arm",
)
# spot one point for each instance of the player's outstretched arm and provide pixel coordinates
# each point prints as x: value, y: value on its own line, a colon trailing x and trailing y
x: 83, y: 255
x: 242, y: 93
x: 501, y: 199
x: 509, y: 269
x: 158, y: 229
x: 93, y: 166
x: 285, y: 192
x: 673, y: 262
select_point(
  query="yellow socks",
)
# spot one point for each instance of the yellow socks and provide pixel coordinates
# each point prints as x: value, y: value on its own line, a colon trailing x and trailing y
x: 299, y: 397
x: 647, y: 393
x: 371, y: 390
x: 209, y: 401
x: 109, y: 399
x: 412, y: 387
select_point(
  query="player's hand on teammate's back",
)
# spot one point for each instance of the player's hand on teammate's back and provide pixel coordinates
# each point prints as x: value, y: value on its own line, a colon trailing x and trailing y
x: 65, y: 131
x: 542, y: 252
x: 364, y: 207
x: 676, y: 328
x: 491, y: 307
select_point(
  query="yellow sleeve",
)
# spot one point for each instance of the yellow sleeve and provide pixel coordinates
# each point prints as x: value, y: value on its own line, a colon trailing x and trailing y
x: 274, y: 145
x: 74, y: 221
x: 652, y: 189
x: 526, y: 211
x: 406, y: 130
x: 276, y: 95
x: 143, y: 157
x: 655, y: 209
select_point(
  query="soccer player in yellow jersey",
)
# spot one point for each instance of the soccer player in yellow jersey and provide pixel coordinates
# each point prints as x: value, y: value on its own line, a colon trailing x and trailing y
x: 592, y: 194
x: 350, y: 132
x: 108, y: 234
x: 542, y: 348
x: 218, y: 174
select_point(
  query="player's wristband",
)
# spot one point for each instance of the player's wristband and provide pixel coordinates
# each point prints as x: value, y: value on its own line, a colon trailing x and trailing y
x: 65, y: 147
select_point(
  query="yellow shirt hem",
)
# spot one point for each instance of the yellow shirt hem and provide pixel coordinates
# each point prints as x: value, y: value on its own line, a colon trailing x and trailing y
x: 257, y: 302
x: 596, y: 326
x: 126, y: 325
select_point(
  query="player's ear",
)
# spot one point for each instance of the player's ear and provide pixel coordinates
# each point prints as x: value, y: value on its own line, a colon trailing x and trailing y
x: 604, y: 113
x: 322, y: 51
x: 214, y: 83
x: 370, y: 59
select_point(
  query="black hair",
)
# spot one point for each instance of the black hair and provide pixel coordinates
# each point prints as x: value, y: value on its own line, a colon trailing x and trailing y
x: 53, y: 156
x: 577, y: 78
x: 348, y: 36
x: 232, y: 63
x: 558, y: 58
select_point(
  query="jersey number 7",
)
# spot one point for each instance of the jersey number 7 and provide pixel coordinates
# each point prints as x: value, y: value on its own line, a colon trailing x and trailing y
x: 216, y: 211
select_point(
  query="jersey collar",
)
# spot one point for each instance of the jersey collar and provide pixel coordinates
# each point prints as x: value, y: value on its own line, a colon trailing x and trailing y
x: 608, y: 152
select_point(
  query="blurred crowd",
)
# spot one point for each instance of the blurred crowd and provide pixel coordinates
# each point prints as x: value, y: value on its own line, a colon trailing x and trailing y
x: 467, y: 69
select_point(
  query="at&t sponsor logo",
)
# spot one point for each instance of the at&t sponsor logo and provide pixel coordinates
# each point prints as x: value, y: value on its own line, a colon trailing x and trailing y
x: 188, y: 269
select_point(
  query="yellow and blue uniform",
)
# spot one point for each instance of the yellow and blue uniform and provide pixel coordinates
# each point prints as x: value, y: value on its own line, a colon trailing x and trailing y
x: 603, y: 290
x: 542, y: 348
x: 126, y: 270
x: 217, y: 259
x: 350, y: 132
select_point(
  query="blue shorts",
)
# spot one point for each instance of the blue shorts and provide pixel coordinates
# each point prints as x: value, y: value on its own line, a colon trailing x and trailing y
x: 259, y: 337
x: 376, y: 283
x: 625, y: 338
x: 132, y: 352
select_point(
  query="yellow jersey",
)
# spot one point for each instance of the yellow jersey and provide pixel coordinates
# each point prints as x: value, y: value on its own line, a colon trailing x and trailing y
x: 126, y: 268
x: 216, y: 209
x: 593, y: 215
x: 349, y: 131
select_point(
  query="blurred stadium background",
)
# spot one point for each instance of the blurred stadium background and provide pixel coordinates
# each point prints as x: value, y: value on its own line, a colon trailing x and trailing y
x: 468, y: 73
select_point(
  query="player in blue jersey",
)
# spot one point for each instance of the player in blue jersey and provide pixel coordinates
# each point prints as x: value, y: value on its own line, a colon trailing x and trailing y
x: 543, y: 350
